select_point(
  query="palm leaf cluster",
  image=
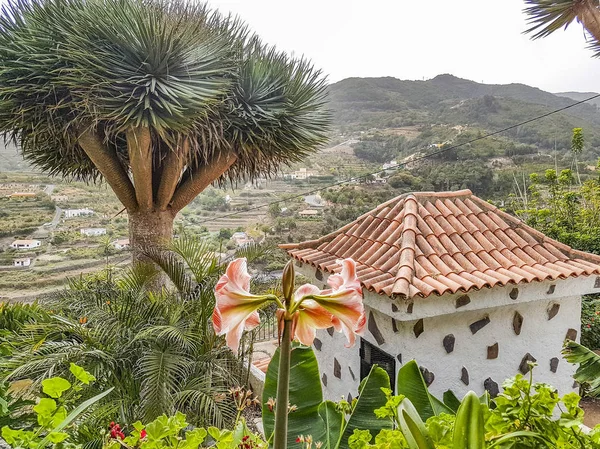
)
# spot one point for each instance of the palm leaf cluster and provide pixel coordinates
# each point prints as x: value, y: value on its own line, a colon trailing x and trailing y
x: 157, y: 349
x: 198, y: 84
x: 548, y: 16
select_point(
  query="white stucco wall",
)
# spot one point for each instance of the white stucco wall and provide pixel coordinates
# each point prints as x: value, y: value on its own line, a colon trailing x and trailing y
x: 541, y: 335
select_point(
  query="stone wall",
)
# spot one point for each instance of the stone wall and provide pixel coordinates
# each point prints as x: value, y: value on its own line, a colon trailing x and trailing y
x: 465, y: 342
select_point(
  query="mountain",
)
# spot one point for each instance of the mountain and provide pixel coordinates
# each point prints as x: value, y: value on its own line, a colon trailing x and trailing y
x: 364, y: 103
x: 579, y: 96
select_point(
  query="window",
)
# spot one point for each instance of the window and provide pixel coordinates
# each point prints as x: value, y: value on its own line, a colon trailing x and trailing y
x: 371, y: 355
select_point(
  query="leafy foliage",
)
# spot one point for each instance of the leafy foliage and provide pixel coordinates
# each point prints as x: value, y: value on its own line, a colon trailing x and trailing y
x: 158, y: 350
x: 54, y: 412
x: 174, y: 67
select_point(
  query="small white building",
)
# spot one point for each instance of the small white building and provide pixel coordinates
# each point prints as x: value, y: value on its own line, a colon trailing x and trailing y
x: 390, y: 165
x: 93, y: 232
x: 25, y: 244
x: 22, y: 262
x: 71, y: 213
x: 59, y: 198
x: 121, y: 244
x: 468, y: 291
x: 300, y: 174
x: 241, y: 239
x: 308, y: 213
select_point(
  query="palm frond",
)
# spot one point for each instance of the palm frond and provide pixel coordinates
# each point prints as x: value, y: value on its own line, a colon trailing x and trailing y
x: 588, y: 372
x: 548, y: 16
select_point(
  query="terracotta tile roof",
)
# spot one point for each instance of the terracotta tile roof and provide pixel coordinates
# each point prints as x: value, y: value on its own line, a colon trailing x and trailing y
x: 420, y: 244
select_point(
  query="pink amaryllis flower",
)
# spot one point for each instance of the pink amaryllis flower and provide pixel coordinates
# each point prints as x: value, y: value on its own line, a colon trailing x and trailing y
x: 308, y: 308
x: 236, y: 308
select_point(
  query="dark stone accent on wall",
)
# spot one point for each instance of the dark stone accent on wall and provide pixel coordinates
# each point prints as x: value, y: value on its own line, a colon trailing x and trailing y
x: 349, y: 398
x: 418, y: 328
x: 464, y: 376
x: 318, y: 344
x: 428, y: 376
x: 394, y: 308
x: 554, y: 364
x: 553, y: 311
x: 492, y: 351
x: 524, y: 365
x: 491, y: 387
x: 462, y: 301
x: 374, y: 329
x: 324, y: 379
x: 597, y: 282
x: 409, y: 308
x: 517, y: 323
x: 514, y: 293
x: 337, y: 369
x: 319, y: 275
x: 394, y: 326
x: 478, y: 325
x: 298, y: 263
x: 352, y: 373
x: 449, y: 343
x: 330, y: 331
x: 551, y: 289
x: 575, y: 385
x: 399, y: 357
x: 571, y: 334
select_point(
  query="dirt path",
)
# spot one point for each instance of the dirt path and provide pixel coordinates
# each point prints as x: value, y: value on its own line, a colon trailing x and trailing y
x: 591, y: 407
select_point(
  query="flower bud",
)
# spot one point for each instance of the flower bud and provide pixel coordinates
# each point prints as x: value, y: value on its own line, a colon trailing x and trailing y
x: 288, y: 280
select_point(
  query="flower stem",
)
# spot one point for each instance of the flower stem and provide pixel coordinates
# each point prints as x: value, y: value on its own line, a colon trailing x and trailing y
x: 283, y: 388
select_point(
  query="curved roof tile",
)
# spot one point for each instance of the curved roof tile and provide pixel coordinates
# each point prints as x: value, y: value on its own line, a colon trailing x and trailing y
x: 426, y: 243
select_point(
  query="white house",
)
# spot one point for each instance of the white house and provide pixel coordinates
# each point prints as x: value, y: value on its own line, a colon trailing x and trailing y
x: 468, y: 291
x: 241, y: 239
x: 22, y: 262
x: 71, y: 213
x: 25, y: 244
x: 307, y: 213
x: 390, y: 165
x: 121, y: 244
x: 93, y: 232
x: 301, y: 174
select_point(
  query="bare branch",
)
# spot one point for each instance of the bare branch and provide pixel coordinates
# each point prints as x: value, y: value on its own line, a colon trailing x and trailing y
x: 171, y: 174
x: 139, y: 147
x: 199, y: 179
x: 105, y: 159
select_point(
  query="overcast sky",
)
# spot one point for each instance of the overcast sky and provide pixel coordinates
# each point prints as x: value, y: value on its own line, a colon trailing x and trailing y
x: 480, y: 40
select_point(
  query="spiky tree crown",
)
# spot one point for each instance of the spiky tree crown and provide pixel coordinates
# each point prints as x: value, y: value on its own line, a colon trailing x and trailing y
x: 173, y: 67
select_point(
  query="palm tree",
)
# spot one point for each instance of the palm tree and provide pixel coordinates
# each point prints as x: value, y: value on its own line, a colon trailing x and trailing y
x: 158, y: 350
x: 547, y: 16
x: 159, y: 98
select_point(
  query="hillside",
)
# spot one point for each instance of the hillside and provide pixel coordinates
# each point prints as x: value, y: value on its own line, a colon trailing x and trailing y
x: 11, y: 160
x: 578, y: 96
x: 364, y: 103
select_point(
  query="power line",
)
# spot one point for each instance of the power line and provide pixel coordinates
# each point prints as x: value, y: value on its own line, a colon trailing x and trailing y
x: 403, y: 164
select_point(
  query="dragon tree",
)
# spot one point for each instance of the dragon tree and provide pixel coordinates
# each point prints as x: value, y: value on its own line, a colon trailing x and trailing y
x: 158, y: 98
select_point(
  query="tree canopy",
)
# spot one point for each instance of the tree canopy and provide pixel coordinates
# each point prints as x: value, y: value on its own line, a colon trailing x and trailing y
x: 158, y: 97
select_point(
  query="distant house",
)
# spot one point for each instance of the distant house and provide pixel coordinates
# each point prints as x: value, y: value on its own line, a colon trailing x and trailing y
x: 389, y: 165
x: 301, y: 174
x: 308, y: 213
x: 71, y: 213
x: 22, y: 262
x: 121, y: 244
x: 93, y: 232
x: 241, y: 239
x: 314, y: 200
x: 25, y: 244
x: 59, y: 198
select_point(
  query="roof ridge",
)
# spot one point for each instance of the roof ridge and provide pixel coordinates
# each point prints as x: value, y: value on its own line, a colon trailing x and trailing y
x: 408, y: 238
